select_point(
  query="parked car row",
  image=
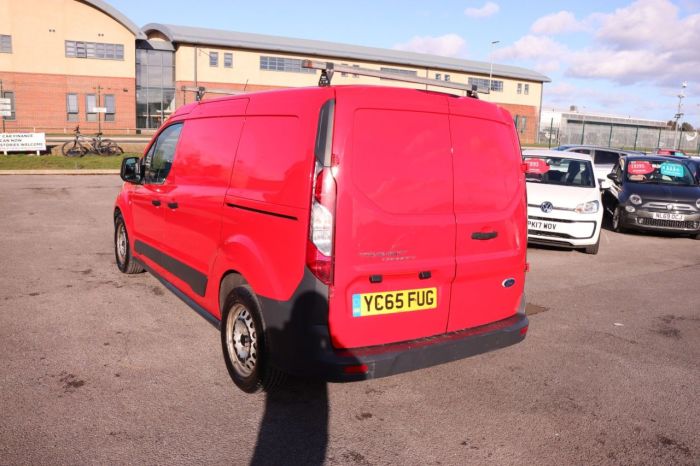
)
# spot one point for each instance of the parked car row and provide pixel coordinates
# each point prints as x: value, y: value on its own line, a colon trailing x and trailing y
x: 568, y: 193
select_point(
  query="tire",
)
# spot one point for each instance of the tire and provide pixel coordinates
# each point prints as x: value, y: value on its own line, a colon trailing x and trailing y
x: 246, y: 358
x: 122, y: 251
x: 617, y: 220
x: 697, y: 237
x: 109, y: 147
x: 73, y: 149
x: 593, y: 249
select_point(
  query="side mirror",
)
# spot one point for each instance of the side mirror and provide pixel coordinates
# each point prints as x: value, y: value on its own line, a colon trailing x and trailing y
x: 131, y: 170
x: 613, y: 177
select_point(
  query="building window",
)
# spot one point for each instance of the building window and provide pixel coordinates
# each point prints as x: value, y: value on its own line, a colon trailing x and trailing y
x: 90, y: 104
x: 527, y: 89
x: 213, y: 58
x: 98, y: 50
x: 10, y: 95
x: 482, y: 84
x: 228, y: 60
x: 520, y: 88
x: 447, y: 77
x: 344, y: 75
x: 438, y: 76
x: 398, y: 71
x: 355, y: 75
x: 520, y: 123
x: 155, y: 87
x: 72, y: 107
x: 5, y: 44
x: 290, y: 65
x: 110, y: 105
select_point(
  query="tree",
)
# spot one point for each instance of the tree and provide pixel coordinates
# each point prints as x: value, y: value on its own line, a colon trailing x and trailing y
x: 687, y: 127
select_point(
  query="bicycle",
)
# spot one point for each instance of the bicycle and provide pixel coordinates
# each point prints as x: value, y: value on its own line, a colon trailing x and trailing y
x: 81, y: 145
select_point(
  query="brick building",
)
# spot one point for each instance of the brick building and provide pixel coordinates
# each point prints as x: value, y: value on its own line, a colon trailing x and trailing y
x: 59, y: 59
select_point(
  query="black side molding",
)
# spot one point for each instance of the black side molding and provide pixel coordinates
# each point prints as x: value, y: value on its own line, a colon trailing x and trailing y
x: 196, y: 279
x: 265, y: 212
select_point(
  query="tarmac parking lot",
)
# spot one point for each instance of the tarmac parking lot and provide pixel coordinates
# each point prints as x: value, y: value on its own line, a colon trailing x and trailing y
x: 98, y: 367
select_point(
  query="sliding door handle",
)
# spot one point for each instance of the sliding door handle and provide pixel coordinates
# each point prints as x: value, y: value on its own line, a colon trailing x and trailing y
x: 484, y: 235
x: 155, y: 202
x: 172, y: 205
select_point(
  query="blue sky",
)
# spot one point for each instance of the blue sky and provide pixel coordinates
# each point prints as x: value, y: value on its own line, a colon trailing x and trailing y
x: 618, y: 57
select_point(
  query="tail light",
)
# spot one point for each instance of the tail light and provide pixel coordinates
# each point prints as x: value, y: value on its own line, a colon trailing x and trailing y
x: 319, y: 252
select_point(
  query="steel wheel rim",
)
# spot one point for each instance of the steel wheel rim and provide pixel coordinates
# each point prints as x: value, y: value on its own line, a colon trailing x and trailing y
x: 121, y: 243
x: 241, y: 340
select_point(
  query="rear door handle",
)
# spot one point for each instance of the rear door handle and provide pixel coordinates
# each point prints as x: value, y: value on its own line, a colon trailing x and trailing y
x: 484, y: 235
x: 155, y: 202
x: 172, y: 205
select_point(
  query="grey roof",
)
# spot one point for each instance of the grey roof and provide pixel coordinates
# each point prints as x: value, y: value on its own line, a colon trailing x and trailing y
x: 117, y: 16
x: 244, y: 40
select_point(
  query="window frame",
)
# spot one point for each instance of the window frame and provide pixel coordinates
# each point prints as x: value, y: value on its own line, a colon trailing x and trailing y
x: 5, y: 43
x: 90, y: 116
x: 526, y: 89
x: 520, y: 88
x: 110, y: 116
x: 148, y: 158
x: 228, y: 59
x: 73, y: 116
x: 13, y: 110
x: 213, y: 59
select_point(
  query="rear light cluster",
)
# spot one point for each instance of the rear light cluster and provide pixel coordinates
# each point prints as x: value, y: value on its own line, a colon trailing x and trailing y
x: 319, y: 253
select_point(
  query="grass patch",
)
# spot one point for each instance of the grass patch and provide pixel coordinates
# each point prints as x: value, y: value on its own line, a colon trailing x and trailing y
x: 59, y: 162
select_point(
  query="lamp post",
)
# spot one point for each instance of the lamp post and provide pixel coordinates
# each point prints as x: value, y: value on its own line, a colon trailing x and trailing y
x: 493, y: 46
x: 679, y: 114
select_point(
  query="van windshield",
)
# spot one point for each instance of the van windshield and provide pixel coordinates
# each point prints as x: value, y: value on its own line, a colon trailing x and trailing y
x: 560, y: 171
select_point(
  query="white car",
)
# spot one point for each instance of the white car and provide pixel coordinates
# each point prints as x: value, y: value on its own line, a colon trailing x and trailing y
x: 564, y: 206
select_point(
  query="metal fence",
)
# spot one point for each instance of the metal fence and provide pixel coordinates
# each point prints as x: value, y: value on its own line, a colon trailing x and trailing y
x: 628, y: 137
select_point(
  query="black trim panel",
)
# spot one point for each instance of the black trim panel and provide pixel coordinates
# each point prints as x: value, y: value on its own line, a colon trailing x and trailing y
x: 195, y: 307
x: 265, y: 212
x: 196, y: 279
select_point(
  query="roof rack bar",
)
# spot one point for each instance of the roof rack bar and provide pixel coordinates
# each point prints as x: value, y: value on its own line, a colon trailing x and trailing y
x: 328, y: 68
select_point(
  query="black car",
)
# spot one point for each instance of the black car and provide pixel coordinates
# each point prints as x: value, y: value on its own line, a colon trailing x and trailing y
x: 654, y: 193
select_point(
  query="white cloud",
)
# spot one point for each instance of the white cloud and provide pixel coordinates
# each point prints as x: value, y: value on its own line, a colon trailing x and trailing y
x: 489, y: 9
x: 557, y: 23
x: 532, y: 47
x: 449, y: 45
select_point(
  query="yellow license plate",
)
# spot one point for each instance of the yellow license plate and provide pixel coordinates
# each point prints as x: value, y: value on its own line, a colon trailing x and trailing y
x: 392, y: 302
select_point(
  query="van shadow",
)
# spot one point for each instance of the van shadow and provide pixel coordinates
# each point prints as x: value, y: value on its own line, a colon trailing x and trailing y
x: 294, y: 427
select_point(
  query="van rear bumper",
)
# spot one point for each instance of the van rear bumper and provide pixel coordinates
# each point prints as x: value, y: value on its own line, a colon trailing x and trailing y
x: 385, y: 360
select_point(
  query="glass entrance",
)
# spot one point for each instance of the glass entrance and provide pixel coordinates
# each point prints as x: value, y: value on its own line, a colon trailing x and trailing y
x: 155, y: 87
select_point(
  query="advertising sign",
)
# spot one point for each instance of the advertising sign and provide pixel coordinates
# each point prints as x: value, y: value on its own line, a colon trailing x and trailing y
x: 22, y: 142
x: 5, y: 107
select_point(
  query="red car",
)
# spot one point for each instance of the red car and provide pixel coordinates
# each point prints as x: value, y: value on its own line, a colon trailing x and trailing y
x: 337, y: 232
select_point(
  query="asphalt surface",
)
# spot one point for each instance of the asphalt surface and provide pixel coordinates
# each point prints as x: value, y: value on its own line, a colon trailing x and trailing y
x: 97, y: 367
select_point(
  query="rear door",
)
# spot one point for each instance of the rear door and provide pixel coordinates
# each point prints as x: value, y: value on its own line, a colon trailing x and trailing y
x: 395, y: 232
x: 491, y: 214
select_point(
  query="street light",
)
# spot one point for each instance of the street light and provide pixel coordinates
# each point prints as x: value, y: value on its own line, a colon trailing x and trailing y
x: 679, y: 113
x: 493, y: 46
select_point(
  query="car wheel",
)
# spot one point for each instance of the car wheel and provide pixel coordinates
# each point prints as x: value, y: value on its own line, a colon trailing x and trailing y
x: 243, y: 343
x: 697, y: 237
x: 122, y: 251
x: 617, y: 220
x: 593, y: 249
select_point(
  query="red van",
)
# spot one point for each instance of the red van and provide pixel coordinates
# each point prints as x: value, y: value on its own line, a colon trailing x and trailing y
x: 344, y: 232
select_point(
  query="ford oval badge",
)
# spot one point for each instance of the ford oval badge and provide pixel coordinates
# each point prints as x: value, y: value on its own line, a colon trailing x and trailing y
x: 508, y: 282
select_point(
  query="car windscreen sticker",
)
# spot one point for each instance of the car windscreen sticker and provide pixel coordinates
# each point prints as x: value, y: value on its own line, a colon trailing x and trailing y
x: 536, y: 166
x: 672, y: 169
x: 639, y: 167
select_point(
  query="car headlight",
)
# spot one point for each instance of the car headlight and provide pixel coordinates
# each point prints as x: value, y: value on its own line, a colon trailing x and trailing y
x: 697, y: 203
x: 588, y: 207
x: 636, y: 199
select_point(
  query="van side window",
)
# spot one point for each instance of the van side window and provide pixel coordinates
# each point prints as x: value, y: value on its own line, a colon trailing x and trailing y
x: 604, y: 157
x: 160, y: 158
x: 582, y: 151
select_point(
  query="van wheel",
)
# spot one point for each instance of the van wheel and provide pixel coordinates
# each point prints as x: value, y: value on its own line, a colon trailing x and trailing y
x: 122, y: 252
x: 243, y: 343
x: 593, y: 249
x: 617, y: 220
